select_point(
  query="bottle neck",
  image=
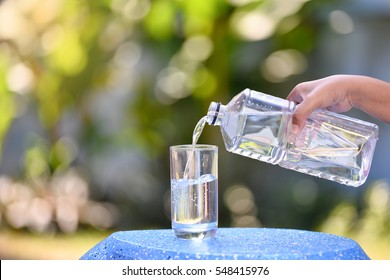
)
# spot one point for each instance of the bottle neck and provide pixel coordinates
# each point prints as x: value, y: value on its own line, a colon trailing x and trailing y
x: 215, y: 113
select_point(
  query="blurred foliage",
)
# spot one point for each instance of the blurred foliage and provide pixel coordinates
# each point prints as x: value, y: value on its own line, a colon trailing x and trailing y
x: 93, y: 93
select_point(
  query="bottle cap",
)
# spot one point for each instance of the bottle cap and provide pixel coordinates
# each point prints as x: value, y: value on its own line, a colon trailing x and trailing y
x: 213, y: 112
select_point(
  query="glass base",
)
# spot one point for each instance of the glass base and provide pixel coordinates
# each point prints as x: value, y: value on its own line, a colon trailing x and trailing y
x: 195, y: 232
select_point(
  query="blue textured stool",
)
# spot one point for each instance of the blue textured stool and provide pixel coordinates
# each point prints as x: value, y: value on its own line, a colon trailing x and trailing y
x: 228, y: 244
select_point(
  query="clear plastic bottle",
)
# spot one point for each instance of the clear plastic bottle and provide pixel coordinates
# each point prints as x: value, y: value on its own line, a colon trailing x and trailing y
x: 331, y: 146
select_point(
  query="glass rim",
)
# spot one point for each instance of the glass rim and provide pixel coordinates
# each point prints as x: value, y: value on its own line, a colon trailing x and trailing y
x: 198, y: 147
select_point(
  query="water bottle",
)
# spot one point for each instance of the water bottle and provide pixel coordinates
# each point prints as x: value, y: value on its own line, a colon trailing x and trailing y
x: 330, y: 146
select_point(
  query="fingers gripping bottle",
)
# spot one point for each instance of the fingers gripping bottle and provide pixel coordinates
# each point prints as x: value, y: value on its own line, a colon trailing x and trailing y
x: 331, y: 146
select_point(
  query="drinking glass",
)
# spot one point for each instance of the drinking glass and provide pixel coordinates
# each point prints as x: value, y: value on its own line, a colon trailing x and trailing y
x: 194, y: 190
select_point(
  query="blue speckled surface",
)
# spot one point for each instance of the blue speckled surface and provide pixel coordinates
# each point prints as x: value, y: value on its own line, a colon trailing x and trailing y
x: 228, y: 244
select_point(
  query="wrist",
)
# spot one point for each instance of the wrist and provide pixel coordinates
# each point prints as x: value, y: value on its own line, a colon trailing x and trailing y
x: 359, y: 88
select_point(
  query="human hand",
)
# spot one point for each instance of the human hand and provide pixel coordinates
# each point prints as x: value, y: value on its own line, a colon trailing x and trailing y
x: 331, y: 93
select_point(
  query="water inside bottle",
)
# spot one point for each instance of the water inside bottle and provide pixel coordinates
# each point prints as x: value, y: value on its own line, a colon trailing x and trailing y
x: 327, y: 147
x: 338, y: 152
x: 260, y: 136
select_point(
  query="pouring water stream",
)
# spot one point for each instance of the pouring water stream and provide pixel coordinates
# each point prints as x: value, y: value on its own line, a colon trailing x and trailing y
x: 195, y: 137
